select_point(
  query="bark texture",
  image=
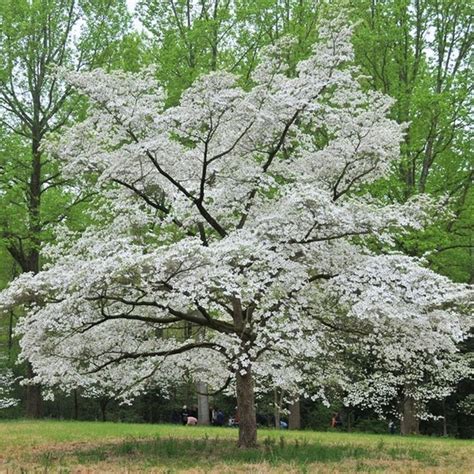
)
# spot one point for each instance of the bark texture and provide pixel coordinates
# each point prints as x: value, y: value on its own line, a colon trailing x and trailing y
x: 34, y: 405
x: 203, y: 403
x: 246, y: 410
x: 294, y: 418
x: 409, y: 423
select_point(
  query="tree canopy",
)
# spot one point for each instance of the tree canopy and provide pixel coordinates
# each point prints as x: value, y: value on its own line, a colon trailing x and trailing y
x: 246, y: 212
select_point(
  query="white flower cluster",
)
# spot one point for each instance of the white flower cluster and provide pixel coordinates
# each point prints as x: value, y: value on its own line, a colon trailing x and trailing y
x: 7, y: 381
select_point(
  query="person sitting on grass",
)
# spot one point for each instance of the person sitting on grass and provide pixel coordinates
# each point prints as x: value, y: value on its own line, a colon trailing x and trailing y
x: 192, y: 421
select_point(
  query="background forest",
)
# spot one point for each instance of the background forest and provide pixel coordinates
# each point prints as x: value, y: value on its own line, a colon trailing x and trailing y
x: 417, y: 51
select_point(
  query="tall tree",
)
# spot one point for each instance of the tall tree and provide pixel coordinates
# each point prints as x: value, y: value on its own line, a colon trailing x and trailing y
x: 36, y: 38
x: 194, y: 37
x: 419, y: 52
x: 226, y: 211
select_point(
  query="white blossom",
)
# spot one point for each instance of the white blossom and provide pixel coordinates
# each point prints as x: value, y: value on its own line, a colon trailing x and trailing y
x: 244, y: 213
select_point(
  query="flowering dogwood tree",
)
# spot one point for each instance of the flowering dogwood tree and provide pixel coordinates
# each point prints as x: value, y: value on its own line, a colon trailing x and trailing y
x: 400, y: 369
x: 7, y: 382
x: 405, y: 353
x: 238, y: 211
x: 378, y: 344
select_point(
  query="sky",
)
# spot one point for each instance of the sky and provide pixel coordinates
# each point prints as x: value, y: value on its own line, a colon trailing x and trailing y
x: 131, y: 4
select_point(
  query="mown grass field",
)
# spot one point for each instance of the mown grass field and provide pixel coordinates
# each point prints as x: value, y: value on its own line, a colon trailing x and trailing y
x: 89, y: 447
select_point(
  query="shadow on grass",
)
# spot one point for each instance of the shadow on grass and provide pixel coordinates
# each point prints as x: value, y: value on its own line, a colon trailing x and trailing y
x: 182, y: 453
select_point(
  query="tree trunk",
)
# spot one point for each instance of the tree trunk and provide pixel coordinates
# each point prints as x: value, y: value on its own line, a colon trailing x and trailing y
x: 294, y: 418
x: 34, y: 402
x: 246, y: 410
x: 409, y: 423
x: 244, y: 384
x: 34, y: 406
x: 103, y: 408
x: 76, y: 405
x: 349, y: 421
x: 203, y: 403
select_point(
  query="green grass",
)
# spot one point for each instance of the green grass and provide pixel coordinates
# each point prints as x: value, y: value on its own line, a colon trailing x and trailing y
x: 65, y: 446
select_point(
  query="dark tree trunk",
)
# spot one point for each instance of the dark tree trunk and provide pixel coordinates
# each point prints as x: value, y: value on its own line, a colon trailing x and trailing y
x: 34, y: 402
x: 34, y: 405
x: 409, y: 422
x: 103, y: 408
x: 76, y: 405
x: 246, y: 410
x: 294, y: 419
x: 244, y: 383
x: 349, y: 421
x: 28, y: 257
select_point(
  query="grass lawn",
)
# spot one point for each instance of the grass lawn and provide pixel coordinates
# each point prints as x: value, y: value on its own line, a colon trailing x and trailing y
x: 66, y: 446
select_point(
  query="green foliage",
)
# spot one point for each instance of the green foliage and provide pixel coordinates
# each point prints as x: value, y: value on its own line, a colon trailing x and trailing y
x: 188, y: 40
x: 36, y: 38
x: 418, y: 52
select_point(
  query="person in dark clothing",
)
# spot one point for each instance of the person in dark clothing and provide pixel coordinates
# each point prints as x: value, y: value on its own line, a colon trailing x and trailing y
x: 336, y: 421
x: 220, y: 418
x: 184, y: 415
x: 391, y: 427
